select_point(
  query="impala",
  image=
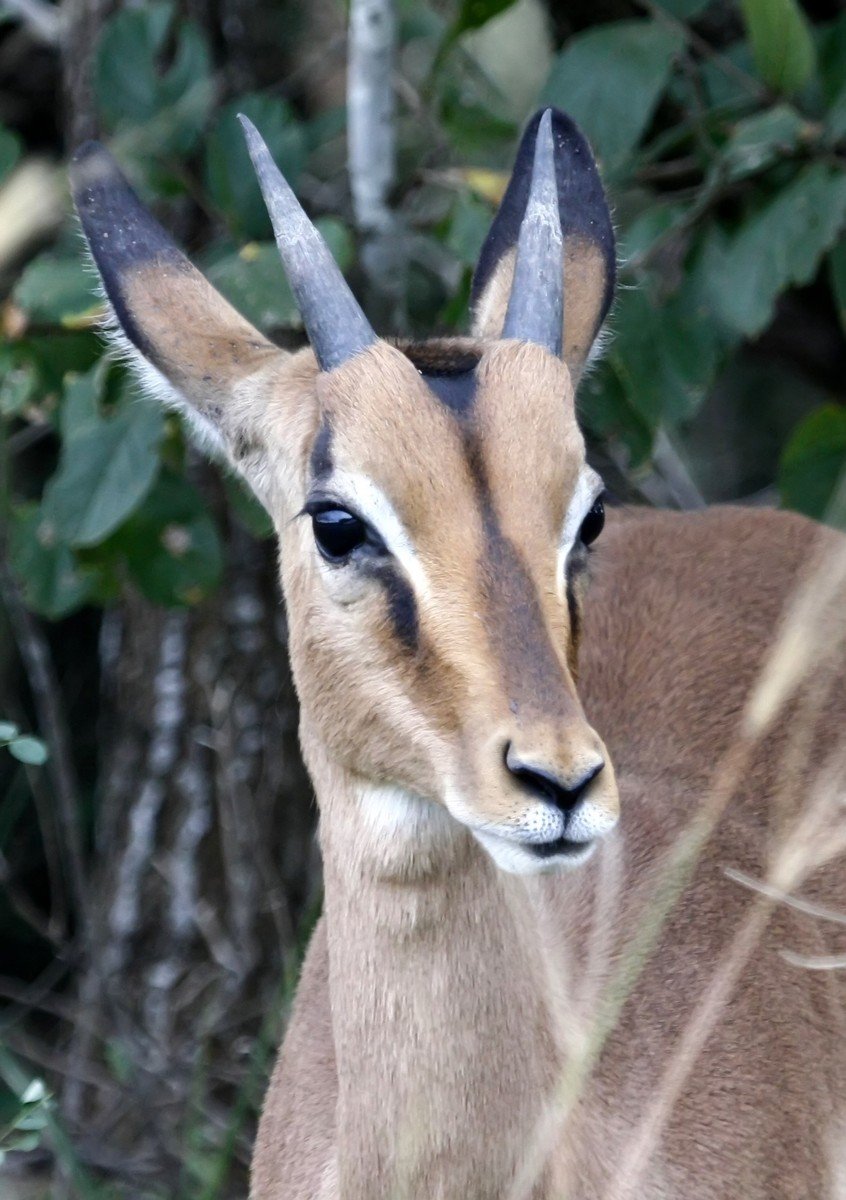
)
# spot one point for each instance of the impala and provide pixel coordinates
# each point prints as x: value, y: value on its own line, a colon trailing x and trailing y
x: 562, y: 952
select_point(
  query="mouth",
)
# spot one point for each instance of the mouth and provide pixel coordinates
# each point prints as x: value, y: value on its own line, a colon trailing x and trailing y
x: 561, y: 847
x: 543, y: 843
x: 535, y: 858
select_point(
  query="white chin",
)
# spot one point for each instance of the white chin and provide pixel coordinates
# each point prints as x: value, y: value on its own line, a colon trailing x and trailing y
x: 520, y: 859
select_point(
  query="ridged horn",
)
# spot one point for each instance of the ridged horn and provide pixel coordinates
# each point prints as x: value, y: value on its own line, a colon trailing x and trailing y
x: 334, y: 322
x: 536, y: 304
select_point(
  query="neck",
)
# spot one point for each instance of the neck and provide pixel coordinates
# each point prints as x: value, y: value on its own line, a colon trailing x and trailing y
x: 439, y: 1000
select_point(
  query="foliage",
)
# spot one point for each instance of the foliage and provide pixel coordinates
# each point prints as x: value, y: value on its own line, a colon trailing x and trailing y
x: 727, y: 193
x: 25, y: 748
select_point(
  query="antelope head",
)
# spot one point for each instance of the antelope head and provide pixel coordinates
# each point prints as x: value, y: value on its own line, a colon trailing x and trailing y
x: 433, y: 503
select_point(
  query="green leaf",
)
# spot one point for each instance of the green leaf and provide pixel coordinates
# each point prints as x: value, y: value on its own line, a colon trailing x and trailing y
x: 610, y: 79
x: 468, y: 228
x: 253, y: 280
x: 664, y: 355
x: 762, y: 140
x: 107, y: 462
x: 10, y: 151
x: 729, y: 89
x: 29, y: 750
x: 171, y: 545
x: 780, y: 245
x: 55, y: 353
x: 782, y: 45
x: 475, y: 13
x: 814, y: 461
x: 230, y: 179
x: 8, y: 730
x: 648, y: 227
x: 53, y: 584
x: 18, y: 388
x: 605, y: 408
x: 56, y: 290
x: 832, y: 74
x: 247, y: 509
x: 685, y: 10
x: 476, y: 134
x: 134, y: 91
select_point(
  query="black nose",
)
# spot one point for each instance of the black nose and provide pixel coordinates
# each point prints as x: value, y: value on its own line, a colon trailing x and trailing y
x: 545, y: 785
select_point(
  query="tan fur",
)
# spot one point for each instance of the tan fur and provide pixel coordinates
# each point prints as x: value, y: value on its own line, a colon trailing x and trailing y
x: 463, y: 1033
x: 203, y: 346
x: 421, y: 1031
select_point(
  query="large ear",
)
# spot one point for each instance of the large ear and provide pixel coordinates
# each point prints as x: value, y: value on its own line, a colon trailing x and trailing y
x: 195, y: 351
x: 589, y: 251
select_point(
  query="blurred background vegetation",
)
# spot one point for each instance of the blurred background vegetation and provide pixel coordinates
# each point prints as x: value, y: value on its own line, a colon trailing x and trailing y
x: 157, y: 869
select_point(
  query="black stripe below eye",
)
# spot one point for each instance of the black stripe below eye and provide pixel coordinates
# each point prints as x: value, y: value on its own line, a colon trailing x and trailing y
x: 402, y: 608
x: 573, y: 610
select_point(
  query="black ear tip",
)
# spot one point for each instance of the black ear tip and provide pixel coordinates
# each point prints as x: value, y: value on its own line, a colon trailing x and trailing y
x: 583, y: 208
x: 565, y: 132
x: 92, y: 166
x: 87, y: 150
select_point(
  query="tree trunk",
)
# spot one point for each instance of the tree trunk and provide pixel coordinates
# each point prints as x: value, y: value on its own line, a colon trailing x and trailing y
x: 205, y: 864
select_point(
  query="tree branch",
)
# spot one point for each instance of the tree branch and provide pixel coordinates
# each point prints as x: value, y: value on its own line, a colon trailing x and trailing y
x: 44, y: 21
x: 372, y: 149
x: 38, y: 664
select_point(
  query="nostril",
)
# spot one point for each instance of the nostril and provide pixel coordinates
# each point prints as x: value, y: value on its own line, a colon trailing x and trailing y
x: 546, y: 786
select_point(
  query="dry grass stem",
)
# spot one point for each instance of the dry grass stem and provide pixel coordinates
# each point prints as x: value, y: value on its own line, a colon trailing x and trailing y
x: 812, y: 636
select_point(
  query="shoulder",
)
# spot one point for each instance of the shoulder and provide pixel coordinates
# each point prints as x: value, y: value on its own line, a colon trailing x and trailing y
x: 683, y: 607
x: 718, y: 549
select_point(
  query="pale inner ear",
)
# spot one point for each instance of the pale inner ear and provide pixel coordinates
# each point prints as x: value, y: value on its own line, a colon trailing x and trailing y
x: 584, y: 293
x: 194, y: 353
x: 194, y: 337
x: 491, y: 307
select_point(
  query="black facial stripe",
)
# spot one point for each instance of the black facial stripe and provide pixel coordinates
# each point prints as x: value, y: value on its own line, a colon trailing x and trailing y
x: 402, y: 608
x: 456, y: 392
x: 320, y: 461
x: 532, y: 670
x: 531, y: 667
x: 575, y: 615
x: 400, y: 599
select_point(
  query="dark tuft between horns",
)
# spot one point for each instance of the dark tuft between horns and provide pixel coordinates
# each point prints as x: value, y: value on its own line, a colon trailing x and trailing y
x: 536, y: 304
x: 336, y: 326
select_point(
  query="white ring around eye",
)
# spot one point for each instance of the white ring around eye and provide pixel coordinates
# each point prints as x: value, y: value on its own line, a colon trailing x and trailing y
x: 374, y: 507
x: 587, y: 491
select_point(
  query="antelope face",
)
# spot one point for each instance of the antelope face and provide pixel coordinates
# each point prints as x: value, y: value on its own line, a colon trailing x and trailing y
x: 441, y: 554
x: 434, y: 505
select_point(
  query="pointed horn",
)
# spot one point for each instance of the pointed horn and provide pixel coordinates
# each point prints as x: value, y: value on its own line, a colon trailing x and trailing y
x: 334, y: 322
x: 536, y: 304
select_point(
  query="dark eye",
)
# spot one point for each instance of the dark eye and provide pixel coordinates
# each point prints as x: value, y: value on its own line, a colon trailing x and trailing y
x: 337, y: 533
x: 593, y: 523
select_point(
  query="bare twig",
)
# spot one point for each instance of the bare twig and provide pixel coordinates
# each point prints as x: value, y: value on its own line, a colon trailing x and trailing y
x: 675, y: 479
x: 372, y: 150
x: 35, y: 656
x: 703, y: 47
x: 23, y: 906
x: 44, y: 21
x: 370, y: 100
